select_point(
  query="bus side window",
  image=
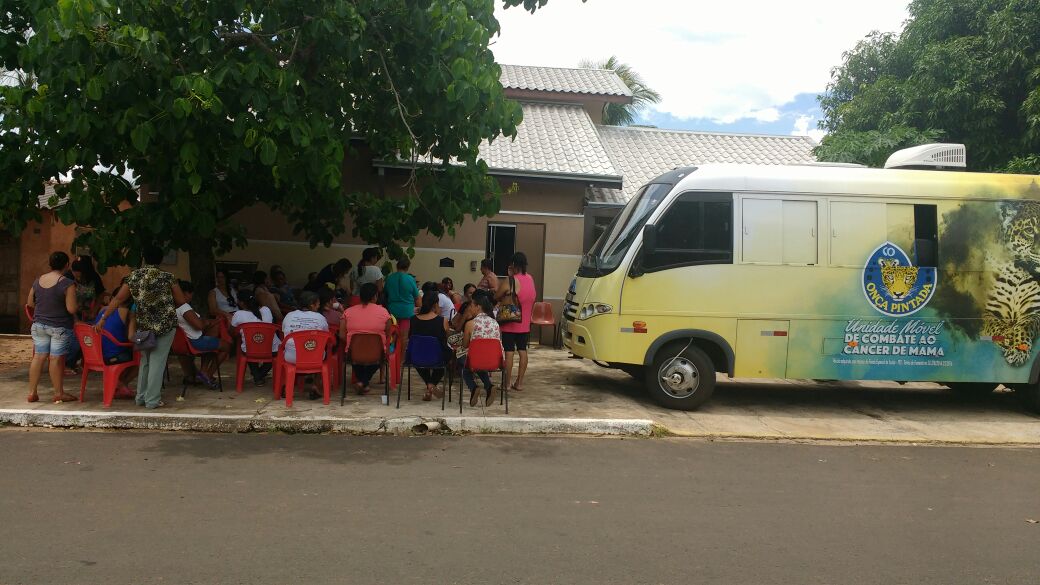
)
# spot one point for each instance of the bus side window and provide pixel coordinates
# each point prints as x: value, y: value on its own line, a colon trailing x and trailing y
x: 696, y: 229
x: 926, y: 236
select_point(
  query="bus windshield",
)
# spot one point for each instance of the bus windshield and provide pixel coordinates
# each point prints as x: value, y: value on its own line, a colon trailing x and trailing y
x: 608, y: 251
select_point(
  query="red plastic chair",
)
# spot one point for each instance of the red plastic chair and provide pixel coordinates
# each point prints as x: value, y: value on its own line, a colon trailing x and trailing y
x: 542, y: 315
x: 183, y: 348
x: 259, y: 339
x: 312, y: 346
x: 485, y: 355
x: 94, y: 361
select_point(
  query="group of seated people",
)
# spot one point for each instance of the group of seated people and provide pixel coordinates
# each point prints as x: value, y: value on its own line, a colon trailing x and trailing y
x: 340, y: 298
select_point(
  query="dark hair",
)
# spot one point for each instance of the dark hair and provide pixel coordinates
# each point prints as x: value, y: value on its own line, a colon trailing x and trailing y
x: 307, y: 298
x: 369, y: 255
x: 341, y: 267
x: 404, y: 263
x: 311, y: 277
x: 186, y: 287
x: 520, y: 261
x: 85, y: 264
x: 448, y: 280
x: 152, y: 254
x: 430, y: 297
x: 58, y: 260
x: 259, y: 278
x: 484, y: 302
x: 368, y: 292
x: 466, y: 287
x: 488, y: 263
x: 325, y: 294
x: 252, y: 305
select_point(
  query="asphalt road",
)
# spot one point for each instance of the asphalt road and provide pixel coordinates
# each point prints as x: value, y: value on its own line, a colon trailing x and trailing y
x: 80, y: 507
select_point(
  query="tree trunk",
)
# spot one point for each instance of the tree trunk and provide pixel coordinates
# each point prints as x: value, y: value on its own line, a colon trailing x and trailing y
x: 202, y: 267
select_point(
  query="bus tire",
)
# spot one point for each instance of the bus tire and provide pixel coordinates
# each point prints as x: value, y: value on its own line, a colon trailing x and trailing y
x: 971, y: 389
x: 681, y: 379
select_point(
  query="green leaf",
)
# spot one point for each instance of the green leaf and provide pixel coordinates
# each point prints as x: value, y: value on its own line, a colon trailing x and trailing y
x: 95, y: 88
x: 268, y: 151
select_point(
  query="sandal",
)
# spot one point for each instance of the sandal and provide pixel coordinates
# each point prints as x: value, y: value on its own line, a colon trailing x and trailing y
x: 206, y: 380
x: 33, y: 398
x: 64, y: 398
x: 363, y: 390
x: 428, y: 396
x: 438, y: 392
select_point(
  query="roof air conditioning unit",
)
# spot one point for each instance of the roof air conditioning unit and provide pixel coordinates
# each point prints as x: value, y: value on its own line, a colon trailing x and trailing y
x: 929, y: 156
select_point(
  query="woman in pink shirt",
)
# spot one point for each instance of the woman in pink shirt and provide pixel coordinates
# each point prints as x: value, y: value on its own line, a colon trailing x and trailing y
x: 365, y: 317
x: 516, y: 335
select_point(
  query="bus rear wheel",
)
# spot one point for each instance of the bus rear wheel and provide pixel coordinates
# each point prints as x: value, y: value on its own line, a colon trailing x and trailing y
x: 681, y: 379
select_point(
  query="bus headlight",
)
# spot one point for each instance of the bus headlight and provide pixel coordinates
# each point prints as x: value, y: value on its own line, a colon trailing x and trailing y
x: 593, y: 309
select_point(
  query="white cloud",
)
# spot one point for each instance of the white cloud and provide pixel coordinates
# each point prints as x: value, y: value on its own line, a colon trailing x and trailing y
x: 802, y: 128
x: 721, y: 60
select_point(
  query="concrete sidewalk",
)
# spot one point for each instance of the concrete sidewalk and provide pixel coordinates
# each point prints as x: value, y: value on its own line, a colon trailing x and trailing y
x: 566, y: 395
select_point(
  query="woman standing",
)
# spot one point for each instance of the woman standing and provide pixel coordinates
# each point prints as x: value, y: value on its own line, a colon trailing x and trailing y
x: 367, y: 271
x: 157, y: 295
x: 223, y: 300
x: 515, y: 335
x: 488, y: 281
x: 429, y: 322
x: 53, y: 298
x: 89, y: 288
x: 402, y: 294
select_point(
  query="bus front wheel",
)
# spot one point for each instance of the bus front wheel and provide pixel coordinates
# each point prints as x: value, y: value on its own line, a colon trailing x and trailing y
x: 681, y: 379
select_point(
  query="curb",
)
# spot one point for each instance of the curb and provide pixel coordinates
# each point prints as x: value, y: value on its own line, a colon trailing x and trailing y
x: 217, y: 423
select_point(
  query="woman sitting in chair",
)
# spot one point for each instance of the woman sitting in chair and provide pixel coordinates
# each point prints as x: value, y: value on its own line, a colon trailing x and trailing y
x: 430, y: 322
x: 481, y: 325
x: 306, y: 318
x: 365, y: 317
x: 121, y: 324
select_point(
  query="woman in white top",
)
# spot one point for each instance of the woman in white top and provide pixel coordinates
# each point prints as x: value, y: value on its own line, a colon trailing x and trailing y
x: 223, y: 301
x: 367, y: 271
x: 252, y: 312
x: 306, y: 318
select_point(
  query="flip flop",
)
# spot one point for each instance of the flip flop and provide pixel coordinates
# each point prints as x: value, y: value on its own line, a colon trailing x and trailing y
x: 33, y: 398
x: 64, y: 398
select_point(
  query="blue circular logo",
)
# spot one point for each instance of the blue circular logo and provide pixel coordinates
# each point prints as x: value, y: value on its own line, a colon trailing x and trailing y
x: 893, y: 285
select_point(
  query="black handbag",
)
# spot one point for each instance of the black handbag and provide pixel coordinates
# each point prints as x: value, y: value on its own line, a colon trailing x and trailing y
x: 144, y: 341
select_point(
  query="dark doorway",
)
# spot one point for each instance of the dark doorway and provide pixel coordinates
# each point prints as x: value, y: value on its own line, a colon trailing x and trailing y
x: 11, y: 299
x: 501, y: 243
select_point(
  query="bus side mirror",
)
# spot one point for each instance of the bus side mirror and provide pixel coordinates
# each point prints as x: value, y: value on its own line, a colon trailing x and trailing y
x: 649, y: 238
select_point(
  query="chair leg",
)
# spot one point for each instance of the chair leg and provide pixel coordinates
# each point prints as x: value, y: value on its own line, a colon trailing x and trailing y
x: 290, y: 383
x: 83, y: 383
x: 445, y: 394
x: 399, y: 395
x: 220, y: 379
x: 240, y: 372
x: 326, y: 380
x: 109, y: 382
x: 343, y: 385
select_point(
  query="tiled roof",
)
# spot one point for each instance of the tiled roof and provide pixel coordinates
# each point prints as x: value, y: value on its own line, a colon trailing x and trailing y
x: 558, y: 79
x: 553, y: 139
x: 640, y: 154
x: 45, y: 199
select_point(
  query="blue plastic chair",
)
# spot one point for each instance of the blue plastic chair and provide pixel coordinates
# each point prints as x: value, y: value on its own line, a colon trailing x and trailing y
x: 424, y: 352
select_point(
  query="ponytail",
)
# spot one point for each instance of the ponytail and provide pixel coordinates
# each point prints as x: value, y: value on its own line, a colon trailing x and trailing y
x: 430, y: 297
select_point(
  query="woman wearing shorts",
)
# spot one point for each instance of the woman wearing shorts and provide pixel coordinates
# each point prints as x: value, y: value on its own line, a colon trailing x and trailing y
x: 516, y: 335
x: 53, y: 299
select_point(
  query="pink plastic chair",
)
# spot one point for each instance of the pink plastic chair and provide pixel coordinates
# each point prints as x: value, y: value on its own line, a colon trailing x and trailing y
x: 312, y: 346
x: 94, y: 361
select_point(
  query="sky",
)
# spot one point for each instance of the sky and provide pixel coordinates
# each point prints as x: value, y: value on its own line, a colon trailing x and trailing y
x: 753, y: 66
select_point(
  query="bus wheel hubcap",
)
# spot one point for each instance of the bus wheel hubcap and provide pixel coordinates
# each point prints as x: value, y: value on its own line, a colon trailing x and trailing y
x: 679, y: 378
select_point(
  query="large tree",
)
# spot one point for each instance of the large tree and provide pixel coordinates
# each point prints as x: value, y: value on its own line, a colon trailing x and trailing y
x: 216, y: 106
x: 642, y: 94
x: 961, y: 70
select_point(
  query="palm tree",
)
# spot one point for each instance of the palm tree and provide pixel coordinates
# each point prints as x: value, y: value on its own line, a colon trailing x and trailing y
x: 642, y: 96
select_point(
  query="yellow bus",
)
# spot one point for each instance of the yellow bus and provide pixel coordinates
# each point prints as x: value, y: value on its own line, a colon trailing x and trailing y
x: 817, y: 272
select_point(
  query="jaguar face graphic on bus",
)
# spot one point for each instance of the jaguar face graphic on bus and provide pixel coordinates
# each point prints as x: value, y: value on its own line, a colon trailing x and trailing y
x: 893, y: 285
